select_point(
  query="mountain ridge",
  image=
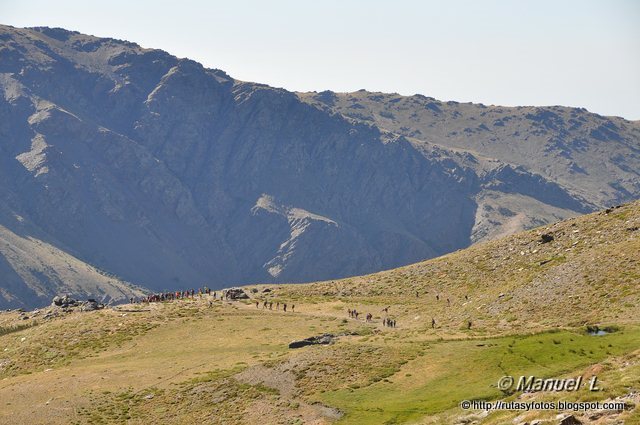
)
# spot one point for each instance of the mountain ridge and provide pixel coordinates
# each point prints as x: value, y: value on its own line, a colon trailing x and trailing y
x: 150, y: 167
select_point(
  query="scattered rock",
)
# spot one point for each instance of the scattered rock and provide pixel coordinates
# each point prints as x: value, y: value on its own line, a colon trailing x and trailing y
x: 67, y: 304
x: 64, y: 301
x: 596, y: 415
x: 91, y: 305
x: 570, y: 420
x: 50, y: 315
x: 546, y: 238
x: 266, y: 290
x: 323, y: 339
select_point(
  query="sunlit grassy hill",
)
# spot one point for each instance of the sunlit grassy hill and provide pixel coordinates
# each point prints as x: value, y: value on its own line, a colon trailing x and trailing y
x: 515, y: 306
x: 588, y: 271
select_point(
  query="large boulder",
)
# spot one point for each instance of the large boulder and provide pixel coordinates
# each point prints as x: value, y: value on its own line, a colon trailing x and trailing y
x: 236, y: 294
x: 323, y: 339
x: 91, y: 305
x: 64, y: 301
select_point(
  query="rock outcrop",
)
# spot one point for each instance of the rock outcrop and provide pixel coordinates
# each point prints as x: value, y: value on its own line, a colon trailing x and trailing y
x: 235, y: 294
x: 324, y: 339
x: 67, y: 302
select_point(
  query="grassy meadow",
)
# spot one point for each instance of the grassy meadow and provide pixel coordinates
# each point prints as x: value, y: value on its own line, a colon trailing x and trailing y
x: 515, y: 306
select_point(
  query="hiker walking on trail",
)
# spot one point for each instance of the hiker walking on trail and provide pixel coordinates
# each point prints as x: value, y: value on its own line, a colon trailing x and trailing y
x: 293, y: 308
x: 278, y: 306
x: 264, y: 305
x: 433, y: 323
x: 448, y: 302
x: 285, y: 308
x: 257, y: 304
x: 271, y: 305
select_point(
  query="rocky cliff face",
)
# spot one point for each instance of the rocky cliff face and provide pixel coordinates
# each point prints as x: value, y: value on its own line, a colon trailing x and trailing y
x: 592, y: 157
x: 171, y: 175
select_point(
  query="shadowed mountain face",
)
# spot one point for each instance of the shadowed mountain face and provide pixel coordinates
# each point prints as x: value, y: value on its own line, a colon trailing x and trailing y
x: 171, y: 175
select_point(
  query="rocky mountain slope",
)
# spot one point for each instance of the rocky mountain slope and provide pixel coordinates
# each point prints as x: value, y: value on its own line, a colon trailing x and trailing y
x: 34, y: 271
x: 592, y: 157
x: 170, y: 175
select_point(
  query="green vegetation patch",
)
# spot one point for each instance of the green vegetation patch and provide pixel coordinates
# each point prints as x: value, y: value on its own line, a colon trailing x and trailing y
x: 452, y: 371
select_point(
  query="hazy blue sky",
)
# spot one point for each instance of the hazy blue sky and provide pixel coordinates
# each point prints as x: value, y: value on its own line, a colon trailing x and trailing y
x: 519, y: 52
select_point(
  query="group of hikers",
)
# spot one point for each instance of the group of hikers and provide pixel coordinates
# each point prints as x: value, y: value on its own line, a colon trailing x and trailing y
x: 353, y: 313
x: 192, y: 293
x: 175, y: 295
x: 227, y: 294
x: 388, y: 322
x: 269, y: 304
x: 391, y: 323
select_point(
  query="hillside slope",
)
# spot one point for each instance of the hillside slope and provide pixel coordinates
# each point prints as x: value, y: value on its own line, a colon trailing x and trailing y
x: 34, y: 271
x: 170, y: 175
x: 202, y: 360
x: 589, y: 272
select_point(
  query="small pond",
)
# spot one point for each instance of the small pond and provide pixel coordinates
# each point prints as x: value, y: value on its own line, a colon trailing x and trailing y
x: 597, y: 331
